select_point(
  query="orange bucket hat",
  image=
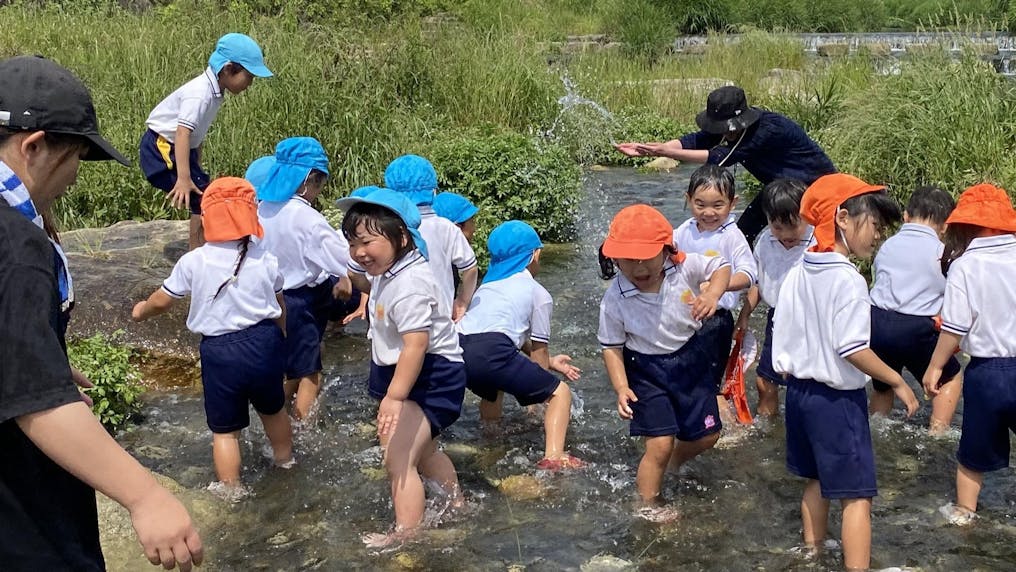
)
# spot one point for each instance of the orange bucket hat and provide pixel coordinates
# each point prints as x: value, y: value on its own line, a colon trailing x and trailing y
x: 229, y: 211
x: 823, y: 198
x: 638, y: 232
x: 986, y: 206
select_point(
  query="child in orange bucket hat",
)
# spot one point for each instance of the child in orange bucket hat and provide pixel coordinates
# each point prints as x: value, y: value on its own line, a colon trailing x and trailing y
x: 980, y: 293
x: 236, y: 305
x: 658, y: 367
x: 821, y: 336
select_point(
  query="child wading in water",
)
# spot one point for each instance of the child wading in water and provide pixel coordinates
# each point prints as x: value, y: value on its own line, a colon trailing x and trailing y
x: 980, y: 294
x: 236, y: 305
x: 416, y: 369
x: 820, y: 339
x: 648, y: 318
x: 510, y: 310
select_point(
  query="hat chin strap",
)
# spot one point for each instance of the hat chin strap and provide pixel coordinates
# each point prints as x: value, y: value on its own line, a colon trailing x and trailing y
x: 734, y: 148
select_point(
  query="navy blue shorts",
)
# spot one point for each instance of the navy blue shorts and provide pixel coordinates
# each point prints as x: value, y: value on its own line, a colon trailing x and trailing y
x: 439, y: 389
x: 493, y: 364
x: 989, y: 413
x: 675, y: 394
x: 764, y: 369
x: 306, y: 318
x: 906, y: 341
x: 158, y: 164
x: 717, y: 334
x: 828, y: 439
x: 240, y: 368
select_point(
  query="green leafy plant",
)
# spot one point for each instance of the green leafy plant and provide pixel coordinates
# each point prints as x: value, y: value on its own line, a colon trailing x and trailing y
x: 107, y: 364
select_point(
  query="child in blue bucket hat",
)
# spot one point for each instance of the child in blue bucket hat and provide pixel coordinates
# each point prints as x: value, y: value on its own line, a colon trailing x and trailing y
x: 509, y: 312
x: 257, y: 171
x: 450, y: 253
x: 312, y: 257
x: 459, y: 210
x: 416, y: 369
x: 345, y: 311
x: 170, y: 149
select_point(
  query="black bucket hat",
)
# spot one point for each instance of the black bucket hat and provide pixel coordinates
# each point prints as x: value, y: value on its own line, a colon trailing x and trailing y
x: 726, y: 110
x: 37, y: 94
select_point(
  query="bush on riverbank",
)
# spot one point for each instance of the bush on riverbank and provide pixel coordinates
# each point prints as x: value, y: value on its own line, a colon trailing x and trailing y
x: 107, y: 364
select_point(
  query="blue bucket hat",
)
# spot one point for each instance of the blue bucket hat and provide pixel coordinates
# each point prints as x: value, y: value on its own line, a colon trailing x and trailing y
x: 511, y: 245
x: 294, y: 159
x: 455, y: 208
x: 397, y: 203
x: 364, y: 191
x: 257, y: 172
x: 413, y: 176
x: 239, y: 49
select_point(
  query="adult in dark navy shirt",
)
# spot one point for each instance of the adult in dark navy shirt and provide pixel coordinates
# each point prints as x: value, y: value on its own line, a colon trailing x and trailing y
x: 769, y: 145
x: 54, y: 453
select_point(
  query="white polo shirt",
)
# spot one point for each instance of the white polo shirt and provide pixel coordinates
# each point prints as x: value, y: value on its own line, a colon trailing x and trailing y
x: 980, y: 296
x: 823, y: 315
x: 727, y: 241
x: 908, y: 272
x: 308, y: 248
x: 517, y: 306
x: 774, y: 261
x: 655, y: 323
x: 193, y: 105
x: 242, y: 303
x: 405, y: 299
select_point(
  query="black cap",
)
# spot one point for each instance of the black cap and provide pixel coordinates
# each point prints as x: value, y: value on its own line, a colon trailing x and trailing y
x: 37, y: 94
x: 726, y: 111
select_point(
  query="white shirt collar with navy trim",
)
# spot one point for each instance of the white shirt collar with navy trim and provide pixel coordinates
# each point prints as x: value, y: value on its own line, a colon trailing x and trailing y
x: 406, y: 261
x: 213, y: 81
x: 627, y: 289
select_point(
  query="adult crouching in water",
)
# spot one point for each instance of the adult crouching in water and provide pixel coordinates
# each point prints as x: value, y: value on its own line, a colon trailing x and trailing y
x: 769, y: 145
x: 55, y: 452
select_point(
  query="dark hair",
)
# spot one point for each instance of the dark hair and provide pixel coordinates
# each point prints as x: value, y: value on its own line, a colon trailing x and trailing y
x: 879, y: 205
x: 781, y: 200
x: 57, y: 140
x: 607, y: 267
x: 957, y: 238
x: 712, y: 176
x: 379, y: 220
x: 244, y: 245
x: 930, y: 203
x: 232, y: 68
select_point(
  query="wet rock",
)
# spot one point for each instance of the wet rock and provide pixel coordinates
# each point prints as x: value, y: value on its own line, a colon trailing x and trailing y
x: 152, y: 452
x: 461, y: 449
x: 374, y: 473
x: 406, y: 561
x: 876, y: 49
x: 833, y: 50
x: 522, y: 487
x: 606, y: 563
x: 117, y: 266
x: 661, y: 164
x: 599, y: 168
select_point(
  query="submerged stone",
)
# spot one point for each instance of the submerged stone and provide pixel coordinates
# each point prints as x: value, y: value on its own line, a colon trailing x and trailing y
x: 522, y: 487
x: 606, y: 563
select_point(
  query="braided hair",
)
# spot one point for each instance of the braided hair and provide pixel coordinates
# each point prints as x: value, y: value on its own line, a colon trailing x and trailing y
x: 244, y: 245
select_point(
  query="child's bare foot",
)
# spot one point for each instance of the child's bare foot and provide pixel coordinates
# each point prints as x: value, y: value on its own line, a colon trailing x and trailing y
x: 229, y: 492
x: 390, y: 541
x: 286, y: 464
x: 565, y: 461
x: 957, y: 515
x: 658, y: 514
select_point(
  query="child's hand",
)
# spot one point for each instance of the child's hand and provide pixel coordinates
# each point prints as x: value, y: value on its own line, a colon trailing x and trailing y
x: 179, y: 197
x: 932, y: 377
x: 623, y: 398
x: 138, y: 313
x: 459, y: 310
x: 343, y: 289
x: 629, y: 149
x: 742, y: 324
x: 388, y: 416
x: 81, y: 381
x: 165, y: 531
x: 704, y: 305
x: 906, y: 395
x: 562, y: 364
x: 357, y: 315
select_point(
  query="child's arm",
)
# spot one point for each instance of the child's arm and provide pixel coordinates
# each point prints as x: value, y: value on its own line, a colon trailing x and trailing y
x: 868, y: 362
x: 179, y: 197
x: 281, y: 320
x: 672, y: 149
x: 750, y: 303
x: 466, y: 289
x: 414, y: 348
x: 947, y: 345
x: 156, y: 304
x: 71, y: 436
x: 613, y: 360
x: 540, y: 353
x: 360, y: 282
x: 704, y: 305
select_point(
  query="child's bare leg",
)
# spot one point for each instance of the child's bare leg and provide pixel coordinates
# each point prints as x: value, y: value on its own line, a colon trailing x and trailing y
x: 856, y: 533
x: 280, y: 435
x: 555, y: 422
x: 196, y: 236
x: 814, y: 514
x: 968, y: 487
x: 943, y: 406
x: 403, y: 452
x: 437, y: 466
x: 307, y: 390
x: 649, y: 479
x: 768, y: 398
x: 491, y: 410
x: 727, y: 416
x: 880, y: 402
x: 685, y: 451
x: 226, y: 456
